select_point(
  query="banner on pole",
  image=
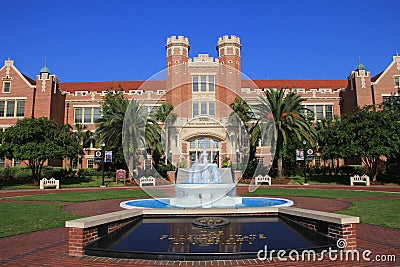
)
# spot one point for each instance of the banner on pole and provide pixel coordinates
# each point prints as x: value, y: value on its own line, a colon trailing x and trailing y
x: 299, y: 154
x: 108, y: 156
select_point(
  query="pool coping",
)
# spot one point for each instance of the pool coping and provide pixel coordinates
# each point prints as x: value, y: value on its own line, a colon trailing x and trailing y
x: 127, y: 214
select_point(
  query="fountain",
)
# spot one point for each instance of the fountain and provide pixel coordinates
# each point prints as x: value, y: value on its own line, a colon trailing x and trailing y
x: 204, y: 187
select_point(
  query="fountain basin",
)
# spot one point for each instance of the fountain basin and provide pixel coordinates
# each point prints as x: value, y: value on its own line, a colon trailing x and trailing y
x: 241, y: 202
x: 176, y: 238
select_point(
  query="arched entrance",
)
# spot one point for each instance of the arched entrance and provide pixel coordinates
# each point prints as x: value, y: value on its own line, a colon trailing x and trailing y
x: 204, y: 144
x: 204, y: 134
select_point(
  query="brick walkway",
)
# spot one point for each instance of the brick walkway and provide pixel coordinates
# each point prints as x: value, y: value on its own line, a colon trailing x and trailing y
x: 49, y: 247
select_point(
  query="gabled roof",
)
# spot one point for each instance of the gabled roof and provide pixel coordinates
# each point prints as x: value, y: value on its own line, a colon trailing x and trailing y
x: 31, y: 81
x: 103, y: 86
x: 306, y: 84
x: 376, y: 77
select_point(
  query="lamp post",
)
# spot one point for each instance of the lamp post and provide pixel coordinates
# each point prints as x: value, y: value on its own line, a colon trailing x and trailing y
x: 67, y: 112
x: 170, y: 156
x: 237, y: 159
x: 305, y: 162
x: 103, y: 145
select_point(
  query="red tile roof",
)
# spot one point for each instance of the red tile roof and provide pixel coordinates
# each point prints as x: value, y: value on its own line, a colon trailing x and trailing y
x: 103, y: 86
x: 31, y: 81
x: 306, y: 84
x: 376, y: 77
x: 160, y: 85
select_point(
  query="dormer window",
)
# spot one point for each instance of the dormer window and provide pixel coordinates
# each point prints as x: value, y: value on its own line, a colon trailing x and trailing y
x: 6, y: 87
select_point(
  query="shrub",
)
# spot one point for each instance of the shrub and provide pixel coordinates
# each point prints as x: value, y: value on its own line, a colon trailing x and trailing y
x: 89, y: 172
x: 6, y: 173
x: 162, y: 169
x: 21, y: 173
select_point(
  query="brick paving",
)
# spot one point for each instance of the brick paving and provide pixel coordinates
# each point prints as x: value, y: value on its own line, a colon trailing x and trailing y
x: 50, y: 248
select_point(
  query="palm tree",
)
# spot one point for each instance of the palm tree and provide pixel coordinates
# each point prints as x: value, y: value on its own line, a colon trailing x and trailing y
x: 242, y: 113
x: 84, y: 138
x: 288, y: 117
x: 109, y: 125
x: 164, y: 114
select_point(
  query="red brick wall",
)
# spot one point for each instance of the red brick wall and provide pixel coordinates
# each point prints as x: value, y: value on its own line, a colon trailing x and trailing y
x: 386, y: 84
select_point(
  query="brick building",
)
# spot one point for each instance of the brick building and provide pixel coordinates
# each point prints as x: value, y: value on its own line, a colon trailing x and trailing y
x: 200, y: 88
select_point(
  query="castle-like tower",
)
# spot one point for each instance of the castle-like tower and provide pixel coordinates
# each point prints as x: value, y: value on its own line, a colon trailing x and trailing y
x: 229, y: 77
x: 177, y: 76
x: 359, y: 90
x: 48, y: 100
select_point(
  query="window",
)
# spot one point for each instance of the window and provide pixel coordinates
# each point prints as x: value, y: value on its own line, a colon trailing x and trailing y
x: 96, y: 114
x: 319, y: 112
x: 2, y: 163
x: 388, y: 101
x: 87, y: 115
x: 6, y: 87
x: 147, y: 164
x: 10, y: 109
x: 211, y: 86
x: 204, y: 143
x: 215, y: 144
x: 211, y: 109
x: 90, y: 163
x: 329, y: 112
x: 195, y: 109
x: 195, y: 83
x: 203, y: 83
x: 318, y: 161
x: 78, y: 115
x: 397, y: 81
x: 2, y: 108
x: 193, y: 144
x: 204, y: 108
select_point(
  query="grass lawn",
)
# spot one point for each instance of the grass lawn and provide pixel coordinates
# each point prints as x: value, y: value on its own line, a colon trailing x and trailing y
x: 91, y: 196
x: 19, y: 218
x: 377, y: 212
x: 318, y: 193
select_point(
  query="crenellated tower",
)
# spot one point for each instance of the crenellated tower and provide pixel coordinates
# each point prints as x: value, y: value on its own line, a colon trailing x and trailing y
x: 48, y: 100
x: 229, y: 76
x: 177, y: 74
x: 359, y: 90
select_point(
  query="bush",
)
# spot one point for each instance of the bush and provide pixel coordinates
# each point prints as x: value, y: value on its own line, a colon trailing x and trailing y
x: 5, y: 174
x: 352, y: 169
x: 21, y: 173
x: 53, y: 172
x: 88, y: 172
x: 162, y: 169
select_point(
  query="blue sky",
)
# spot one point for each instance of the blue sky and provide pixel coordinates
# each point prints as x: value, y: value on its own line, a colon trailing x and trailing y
x: 124, y: 40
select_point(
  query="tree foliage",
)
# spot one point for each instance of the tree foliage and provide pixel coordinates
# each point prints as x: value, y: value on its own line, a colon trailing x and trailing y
x: 367, y: 133
x: 141, y: 130
x: 38, y: 140
x: 289, y: 121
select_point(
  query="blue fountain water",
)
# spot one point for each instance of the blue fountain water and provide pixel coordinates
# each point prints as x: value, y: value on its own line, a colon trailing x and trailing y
x: 204, y: 188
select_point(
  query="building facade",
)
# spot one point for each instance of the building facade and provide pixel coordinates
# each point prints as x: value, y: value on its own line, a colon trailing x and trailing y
x: 200, y: 88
